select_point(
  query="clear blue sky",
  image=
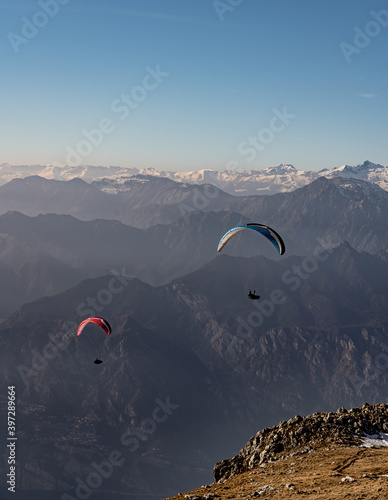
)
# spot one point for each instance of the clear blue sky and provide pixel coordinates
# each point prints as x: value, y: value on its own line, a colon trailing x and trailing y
x: 191, y: 84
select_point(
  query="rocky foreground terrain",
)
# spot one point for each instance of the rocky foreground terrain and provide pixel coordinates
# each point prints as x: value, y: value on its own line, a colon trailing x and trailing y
x: 325, y: 456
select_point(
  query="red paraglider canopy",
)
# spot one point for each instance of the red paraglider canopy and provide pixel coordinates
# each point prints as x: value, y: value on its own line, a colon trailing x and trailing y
x: 97, y: 321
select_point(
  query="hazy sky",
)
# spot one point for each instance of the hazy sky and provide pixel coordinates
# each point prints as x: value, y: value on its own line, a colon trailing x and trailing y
x: 191, y: 84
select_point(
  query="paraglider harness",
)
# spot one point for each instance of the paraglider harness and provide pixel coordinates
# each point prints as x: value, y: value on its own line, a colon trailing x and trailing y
x: 253, y: 295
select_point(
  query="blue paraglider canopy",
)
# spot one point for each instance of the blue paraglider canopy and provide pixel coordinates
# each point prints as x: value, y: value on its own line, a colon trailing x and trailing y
x: 266, y: 231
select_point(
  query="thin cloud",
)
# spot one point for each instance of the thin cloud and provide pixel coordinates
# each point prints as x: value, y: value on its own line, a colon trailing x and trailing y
x: 309, y: 139
x: 112, y: 10
x: 367, y: 96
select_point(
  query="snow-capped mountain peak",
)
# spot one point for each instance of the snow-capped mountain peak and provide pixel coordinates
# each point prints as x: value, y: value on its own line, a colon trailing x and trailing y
x: 271, y: 180
x: 281, y: 169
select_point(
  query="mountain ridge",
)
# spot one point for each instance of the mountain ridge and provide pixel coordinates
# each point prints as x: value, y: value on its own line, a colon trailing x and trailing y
x: 326, y: 455
x: 322, y: 208
x: 325, y: 212
x: 270, y: 180
x: 302, y: 434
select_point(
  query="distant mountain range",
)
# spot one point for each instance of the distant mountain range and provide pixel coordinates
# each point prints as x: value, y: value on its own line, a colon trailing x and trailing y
x: 347, y: 208
x: 48, y: 253
x: 278, y: 179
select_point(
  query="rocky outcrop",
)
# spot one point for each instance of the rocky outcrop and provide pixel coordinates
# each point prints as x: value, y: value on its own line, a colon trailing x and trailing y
x: 302, y: 434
